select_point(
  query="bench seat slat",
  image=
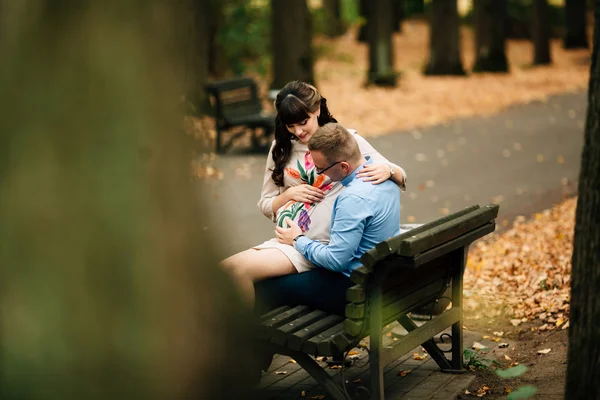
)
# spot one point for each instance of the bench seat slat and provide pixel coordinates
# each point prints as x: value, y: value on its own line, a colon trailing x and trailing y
x: 283, y: 332
x: 284, y: 317
x: 311, y: 345
x: 297, y: 339
x: 273, y: 313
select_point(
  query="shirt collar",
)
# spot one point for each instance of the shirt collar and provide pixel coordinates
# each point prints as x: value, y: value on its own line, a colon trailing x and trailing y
x: 346, y: 181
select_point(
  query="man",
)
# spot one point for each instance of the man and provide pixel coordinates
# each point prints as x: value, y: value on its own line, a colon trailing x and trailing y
x: 363, y: 215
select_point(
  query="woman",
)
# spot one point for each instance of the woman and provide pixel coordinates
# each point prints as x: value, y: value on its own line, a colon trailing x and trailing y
x: 292, y: 188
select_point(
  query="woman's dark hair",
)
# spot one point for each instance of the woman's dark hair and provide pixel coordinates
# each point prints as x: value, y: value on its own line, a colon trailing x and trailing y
x: 293, y: 104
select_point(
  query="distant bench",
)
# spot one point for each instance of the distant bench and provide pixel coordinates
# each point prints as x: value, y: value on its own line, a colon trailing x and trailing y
x: 399, y: 276
x: 236, y: 103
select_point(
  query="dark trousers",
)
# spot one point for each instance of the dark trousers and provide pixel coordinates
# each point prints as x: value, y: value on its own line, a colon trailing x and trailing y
x: 318, y: 288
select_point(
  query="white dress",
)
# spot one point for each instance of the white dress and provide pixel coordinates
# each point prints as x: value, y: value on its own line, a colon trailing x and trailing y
x: 313, y: 218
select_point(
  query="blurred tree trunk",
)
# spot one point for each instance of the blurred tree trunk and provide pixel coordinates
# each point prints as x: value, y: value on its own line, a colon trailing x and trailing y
x: 397, y: 15
x: 196, y: 23
x: 216, y: 54
x: 107, y: 282
x: 292, y: 42
x: 364, y: 7
x: 381, y: 49
x: 575, y: 25
x: 444, y: 39
x: 490, y: 40
x: 583, y: 366
x: 540, y: 33
x: 334, y: 25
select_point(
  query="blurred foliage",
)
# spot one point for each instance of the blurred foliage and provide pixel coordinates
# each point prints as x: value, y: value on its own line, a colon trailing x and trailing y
x: 245, y: 36
x: 518, y: 19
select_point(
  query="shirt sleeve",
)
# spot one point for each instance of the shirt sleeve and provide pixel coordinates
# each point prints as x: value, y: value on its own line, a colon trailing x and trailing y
x: 369, y: 151
x: 350, y: 219
x: 269, y: 189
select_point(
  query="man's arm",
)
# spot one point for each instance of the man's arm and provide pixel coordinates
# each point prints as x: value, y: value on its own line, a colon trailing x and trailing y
x: 349, y: 221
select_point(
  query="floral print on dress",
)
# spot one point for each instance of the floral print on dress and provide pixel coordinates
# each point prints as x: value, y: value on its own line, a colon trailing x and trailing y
x: 307, y: 175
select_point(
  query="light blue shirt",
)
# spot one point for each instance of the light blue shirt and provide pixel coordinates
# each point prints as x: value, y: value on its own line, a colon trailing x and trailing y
x: 363, y: 215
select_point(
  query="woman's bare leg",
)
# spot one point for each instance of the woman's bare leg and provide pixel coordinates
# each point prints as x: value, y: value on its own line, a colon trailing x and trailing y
x: 254, y: 265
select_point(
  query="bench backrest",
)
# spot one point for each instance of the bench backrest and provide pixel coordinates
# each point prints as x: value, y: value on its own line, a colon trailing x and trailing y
x: 234, y: 99
x: 415, y: 267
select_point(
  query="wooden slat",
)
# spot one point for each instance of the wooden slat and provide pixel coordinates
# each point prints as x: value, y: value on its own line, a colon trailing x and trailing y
x: 230, y: 84
x: 403, y: 305
x: 297, y: 339
x: 402, y: 285
x: 447, y: 231
x: 283, y: 332
x: 370, y: 258
x: 356, y: 294
x: 343, y: 342
x: 273, y: 313
x: 392, y: 245
x: 311, y: 345
x: 360, y: 275
x: 285, y: 317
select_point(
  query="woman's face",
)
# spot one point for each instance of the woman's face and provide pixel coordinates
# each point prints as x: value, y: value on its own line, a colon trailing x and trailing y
x: 304, y: 130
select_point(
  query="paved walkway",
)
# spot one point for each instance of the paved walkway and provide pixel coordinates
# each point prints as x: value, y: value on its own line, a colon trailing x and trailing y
x: 526, y: 158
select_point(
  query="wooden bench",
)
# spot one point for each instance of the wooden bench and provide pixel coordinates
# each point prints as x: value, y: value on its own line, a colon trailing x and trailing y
x: 400, y: 275
x: 236, y: 103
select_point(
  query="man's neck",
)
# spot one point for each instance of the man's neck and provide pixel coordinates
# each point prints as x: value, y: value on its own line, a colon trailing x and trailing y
x: 358, y: 163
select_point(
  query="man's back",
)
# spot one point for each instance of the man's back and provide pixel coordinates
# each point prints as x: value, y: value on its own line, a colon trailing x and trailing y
x: 377, y: 205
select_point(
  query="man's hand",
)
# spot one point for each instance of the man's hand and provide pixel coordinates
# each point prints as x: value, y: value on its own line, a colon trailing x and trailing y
x: 287, y: 235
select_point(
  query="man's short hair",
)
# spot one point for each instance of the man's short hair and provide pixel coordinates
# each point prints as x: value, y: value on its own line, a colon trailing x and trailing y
x: 335, y: 142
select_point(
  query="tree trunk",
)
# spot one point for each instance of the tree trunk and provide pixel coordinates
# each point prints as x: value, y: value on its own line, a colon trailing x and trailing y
x: 444, y: 39
x: 398, y: 15
x: 364, y: 8
x: 540, y: 33
x: 575, y: 25
x: 489, y: 36
x: 334, y: 25
x: 108, y: 288
x: 381, y: 50
x: 583, y: 367
x: 292, y: 42
x: 196, y: 23
x: 216, y: 57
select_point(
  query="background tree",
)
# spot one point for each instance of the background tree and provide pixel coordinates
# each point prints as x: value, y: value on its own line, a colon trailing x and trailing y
x: 291, y: 41
x: 196, y: 26
x: 584, y: 349
x: 397, y: 14
x: 575, y: 25
x: 334, y: 25
x: 540, y: 33
x: 490, y: 40
x: 381, y: 49
x: 108, y: 287
x: 444, y: 39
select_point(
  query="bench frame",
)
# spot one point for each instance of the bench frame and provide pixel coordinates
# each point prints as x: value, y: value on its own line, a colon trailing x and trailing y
x: 243, y: 111
x: 440, y: 246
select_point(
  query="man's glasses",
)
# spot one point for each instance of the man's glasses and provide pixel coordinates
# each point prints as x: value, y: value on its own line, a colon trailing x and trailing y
x: 320, y: 171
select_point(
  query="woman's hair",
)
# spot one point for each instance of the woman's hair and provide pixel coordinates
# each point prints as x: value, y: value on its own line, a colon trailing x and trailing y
x: 293, y: 104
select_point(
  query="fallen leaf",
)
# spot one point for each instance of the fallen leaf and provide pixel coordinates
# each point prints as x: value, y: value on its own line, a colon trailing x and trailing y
x: 357, y: 381
x: 419, y: 357
x: 544, y: 351
x: 321, y: 359
x: 478, y: 346
x: 507, y: 357
x: 280, y: 372
x: 404, y: 373
x: 335, y: 367
x: 502, y: 345
x: 353, y: 352
x: 317, y: 397
x: 291, y: 360
x: 499, y: 333
x: 483, y: 390
x: 515, y: 322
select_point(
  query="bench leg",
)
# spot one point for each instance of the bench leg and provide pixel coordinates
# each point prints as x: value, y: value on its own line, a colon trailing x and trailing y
x: 376, y: 343
x: 315, y: 370
x: 432, y: 349
x: 457, y: 293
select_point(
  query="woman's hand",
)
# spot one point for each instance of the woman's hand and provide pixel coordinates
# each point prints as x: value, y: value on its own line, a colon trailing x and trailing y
x: 305, y: 193
x: 375, y: 173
